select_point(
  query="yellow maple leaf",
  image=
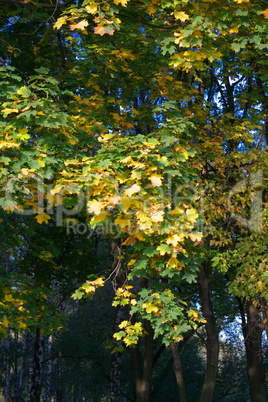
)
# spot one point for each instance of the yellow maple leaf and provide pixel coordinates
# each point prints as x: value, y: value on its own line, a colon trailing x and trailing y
x: 181, y: 15
x: 122, y: 222
x: 80, y: 25
x: 158, y: 216
x: 94, y: 207
x: 60, y: 21
x: 129, y: 241
x: 173, y: 262
x: 265, y: 13
x: 175, y: 239
x: 132, y: 190
x: 195, y: 236
x: 8, y: 297
x: 150, y: 308
x: 91, y: 8
x: 123, y: 2
x: 5, y: 322
x: 126, y: 203
x: 156, y: 180
x: 42, y: 218
x: 8, y: 111
x: 100, y: 217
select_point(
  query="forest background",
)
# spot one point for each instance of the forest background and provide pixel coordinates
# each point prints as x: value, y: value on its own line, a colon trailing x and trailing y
x: 133, y: 169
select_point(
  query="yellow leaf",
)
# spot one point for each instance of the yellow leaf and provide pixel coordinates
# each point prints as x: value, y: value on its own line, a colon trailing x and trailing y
x: 115, y: 200
x: 123, y: 324
x: 91, y: 8
x: 158, y: 216
x: 129, y: 241
x: 151, y: 9
x: 156, y: 180
x: 126, y: 203
x: 123, y: 2
x: 5, y: 322
x: 8, y: 111
x: 42, y: 218
x: 25, y: 171
x: 265, y: 13
x: 181, y: 15
x: 132, y: 190
x: 94, y: 207
x: 175, y: 239
x: 173, y: 262
x: 80, y: 25
x: 8, y: 297
x: 60, y: 21
x: 100, y: 217
x: 150, y: 308
x: 195, y: 236
x: 140, y: 237
x: 122, y: 222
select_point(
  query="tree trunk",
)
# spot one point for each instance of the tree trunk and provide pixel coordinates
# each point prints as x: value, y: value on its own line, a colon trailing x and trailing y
x: 212, y: 338
x: 116, y: 361
x: 6, y: 347
x: 35, y: 390
x: 23, y: 369
x: 178, y: 372
x: 252, y: 332
x: 143, y: 375
x: 49, y: 368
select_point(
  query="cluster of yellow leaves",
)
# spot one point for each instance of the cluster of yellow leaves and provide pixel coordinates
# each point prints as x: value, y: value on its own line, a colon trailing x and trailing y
x: 130, y: 333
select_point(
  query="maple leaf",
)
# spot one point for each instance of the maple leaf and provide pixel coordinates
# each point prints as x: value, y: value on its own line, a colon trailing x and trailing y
x: 80, y: 25
x: 181, y: 15
x: 158, y: 217
x: 101, y: 30
x: 123, y: 2
x: 196, y: 236
x: 131, y: 240
x: 42, y: 218
x: 173, y: 262
x: 265, y: 13
x: 91, y: 8
x: 94, y: 207
x: 60, y: 21
x: 156, y: 180
x: 132, y: 190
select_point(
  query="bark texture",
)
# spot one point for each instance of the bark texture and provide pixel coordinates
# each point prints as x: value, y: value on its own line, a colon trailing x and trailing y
x: 212, y: 337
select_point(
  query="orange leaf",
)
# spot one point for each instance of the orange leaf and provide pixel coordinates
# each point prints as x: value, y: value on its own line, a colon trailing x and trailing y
x: 80, y: 25
x: 101, y: 30
x: 265, y: 13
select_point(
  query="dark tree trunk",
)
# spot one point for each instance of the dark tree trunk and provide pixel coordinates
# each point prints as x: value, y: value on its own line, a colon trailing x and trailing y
x: 6, y: 347
x: 49, y: 368
x: 23, y: 370
x: 252, y: 331
x: 116, y: 361
x: 178, y: 372
x: 35, y: 390
x: 212, y: 337
x: 143, y: 373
